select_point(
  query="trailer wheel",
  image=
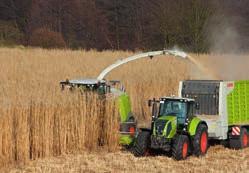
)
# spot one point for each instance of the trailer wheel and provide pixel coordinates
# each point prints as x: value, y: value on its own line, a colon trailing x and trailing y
x: 200, y: 141
x: 141, y: 144
x: 245, y: 138
x: 180, y: 148
x: 241, y: 141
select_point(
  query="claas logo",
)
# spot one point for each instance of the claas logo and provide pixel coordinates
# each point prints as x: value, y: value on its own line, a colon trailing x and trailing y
x: 230, y: 85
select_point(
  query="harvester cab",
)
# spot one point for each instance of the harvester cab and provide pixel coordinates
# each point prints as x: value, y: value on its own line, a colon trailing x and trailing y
x: 175, y: 128
x: 92, y: 85
x: 86, y: 85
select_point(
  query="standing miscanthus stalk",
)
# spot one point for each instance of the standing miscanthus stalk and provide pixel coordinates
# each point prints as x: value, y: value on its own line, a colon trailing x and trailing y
x: 72, y: 124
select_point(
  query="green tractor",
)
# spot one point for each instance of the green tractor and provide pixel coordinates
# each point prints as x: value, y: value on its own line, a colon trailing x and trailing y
x: 174, y: 128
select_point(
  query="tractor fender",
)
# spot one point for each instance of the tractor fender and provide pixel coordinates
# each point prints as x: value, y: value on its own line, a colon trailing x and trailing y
x: 193, y: 125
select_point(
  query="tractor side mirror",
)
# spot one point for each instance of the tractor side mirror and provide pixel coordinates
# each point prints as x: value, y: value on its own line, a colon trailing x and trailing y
x: 197, y: 106
x: 149, y: 103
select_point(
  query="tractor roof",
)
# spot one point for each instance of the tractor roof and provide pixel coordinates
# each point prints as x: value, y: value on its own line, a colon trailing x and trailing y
x: 177, y: 98
x: 86, y: 81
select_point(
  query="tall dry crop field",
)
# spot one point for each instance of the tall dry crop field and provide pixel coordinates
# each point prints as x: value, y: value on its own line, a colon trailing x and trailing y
x: 38, y: 120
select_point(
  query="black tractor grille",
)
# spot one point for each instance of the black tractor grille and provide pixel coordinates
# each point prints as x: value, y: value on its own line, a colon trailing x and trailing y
x: 160, y: 124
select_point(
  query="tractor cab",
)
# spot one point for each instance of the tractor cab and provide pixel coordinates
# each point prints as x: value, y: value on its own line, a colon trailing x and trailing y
x: 181, y: 108
x: 171, y: 115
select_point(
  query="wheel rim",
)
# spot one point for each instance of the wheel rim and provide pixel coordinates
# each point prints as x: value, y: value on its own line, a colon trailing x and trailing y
x: 245, y: 140
x: 185, y: 150
x: 203, y: 142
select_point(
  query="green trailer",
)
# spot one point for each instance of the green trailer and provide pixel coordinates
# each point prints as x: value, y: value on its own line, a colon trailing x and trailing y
x: 224, y: 106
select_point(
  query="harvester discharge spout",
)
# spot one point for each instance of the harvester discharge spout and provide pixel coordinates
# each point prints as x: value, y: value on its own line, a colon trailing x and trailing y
x: 152, y: 54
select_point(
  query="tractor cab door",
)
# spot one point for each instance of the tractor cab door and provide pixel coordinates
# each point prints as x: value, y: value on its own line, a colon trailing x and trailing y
x: 181, y: 112
x: 190, y: 109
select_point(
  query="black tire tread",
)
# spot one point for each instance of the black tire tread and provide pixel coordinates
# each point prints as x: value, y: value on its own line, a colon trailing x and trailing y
x: 141, y: 144
x: 178, y: 145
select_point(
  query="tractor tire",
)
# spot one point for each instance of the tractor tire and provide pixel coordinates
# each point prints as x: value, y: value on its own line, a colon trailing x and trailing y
x: 242, y: 141
x: 200, y: 141
x: 141, y: 144
x: 180, y: 147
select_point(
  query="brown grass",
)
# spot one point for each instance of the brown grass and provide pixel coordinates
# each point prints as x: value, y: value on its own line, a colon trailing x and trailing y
x: 39, y: 130
x: 38, y: 120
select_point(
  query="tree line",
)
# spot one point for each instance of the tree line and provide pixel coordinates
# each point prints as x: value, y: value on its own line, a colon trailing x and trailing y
x: 192, y: 25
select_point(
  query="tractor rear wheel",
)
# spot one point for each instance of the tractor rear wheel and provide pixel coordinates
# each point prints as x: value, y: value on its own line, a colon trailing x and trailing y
x: 141, y: 144
x: 241, y: 141
x: 200, y: 141
x: 180, y: 148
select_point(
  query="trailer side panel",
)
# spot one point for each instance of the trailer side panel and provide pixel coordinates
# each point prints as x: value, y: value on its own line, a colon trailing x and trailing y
x: 205, y: 92
x: 238, y: 104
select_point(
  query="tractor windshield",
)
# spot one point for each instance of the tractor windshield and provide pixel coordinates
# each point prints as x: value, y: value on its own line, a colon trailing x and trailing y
x: 173, y: 108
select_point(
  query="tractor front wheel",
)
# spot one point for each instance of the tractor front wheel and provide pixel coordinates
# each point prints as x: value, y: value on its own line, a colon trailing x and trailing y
x: 200, y: 141
x: 180, y: 148
x: 141, y: 144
